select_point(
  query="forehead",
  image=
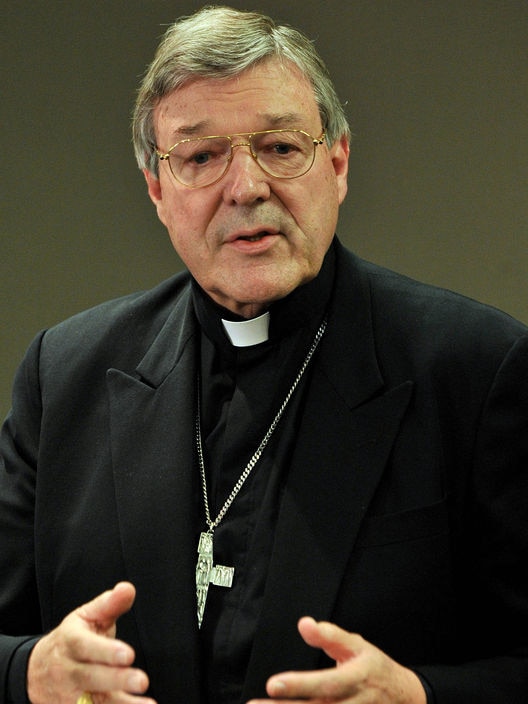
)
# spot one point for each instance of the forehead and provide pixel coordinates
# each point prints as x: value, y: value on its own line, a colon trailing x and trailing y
x: 266, y: 96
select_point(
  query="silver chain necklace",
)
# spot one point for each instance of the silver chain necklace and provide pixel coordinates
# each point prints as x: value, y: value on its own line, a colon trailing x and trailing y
x: 206, y: 572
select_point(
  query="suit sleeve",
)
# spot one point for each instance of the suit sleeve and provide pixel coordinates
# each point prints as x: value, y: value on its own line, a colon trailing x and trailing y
x: 495, y: 617
x: 19, y: 605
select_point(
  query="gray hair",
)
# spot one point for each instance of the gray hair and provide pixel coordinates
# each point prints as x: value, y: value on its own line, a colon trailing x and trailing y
x: 221, y: 42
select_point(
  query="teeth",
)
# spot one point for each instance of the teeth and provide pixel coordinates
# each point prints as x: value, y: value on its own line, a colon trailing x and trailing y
x: 255, y: 238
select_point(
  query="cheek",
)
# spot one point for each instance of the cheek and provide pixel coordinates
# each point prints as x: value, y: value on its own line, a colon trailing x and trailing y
x: 187, y: 227
x: 320, y: 211
x: 185, y: 219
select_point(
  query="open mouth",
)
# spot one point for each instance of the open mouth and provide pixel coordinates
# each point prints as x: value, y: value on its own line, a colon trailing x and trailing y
x: 253, y: 242
x: 254, y: 238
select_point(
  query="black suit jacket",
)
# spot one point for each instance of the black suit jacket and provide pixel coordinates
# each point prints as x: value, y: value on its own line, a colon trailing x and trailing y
x: 404, y: 515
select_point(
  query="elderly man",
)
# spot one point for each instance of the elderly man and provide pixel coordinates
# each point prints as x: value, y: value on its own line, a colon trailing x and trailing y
x: 281, y: 460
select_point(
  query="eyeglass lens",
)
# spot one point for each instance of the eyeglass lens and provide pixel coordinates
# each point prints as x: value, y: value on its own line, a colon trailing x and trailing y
x: 199, y: 162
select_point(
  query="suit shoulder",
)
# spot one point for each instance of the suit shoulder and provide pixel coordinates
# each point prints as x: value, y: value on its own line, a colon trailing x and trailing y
x: 129, y: 322
x: 417, y: 328
x: 413, y: 304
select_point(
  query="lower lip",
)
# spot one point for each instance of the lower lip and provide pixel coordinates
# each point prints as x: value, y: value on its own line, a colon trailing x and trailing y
x: 259, y: 246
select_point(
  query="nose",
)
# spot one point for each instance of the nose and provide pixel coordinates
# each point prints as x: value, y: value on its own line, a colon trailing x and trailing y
x: 245, y: 182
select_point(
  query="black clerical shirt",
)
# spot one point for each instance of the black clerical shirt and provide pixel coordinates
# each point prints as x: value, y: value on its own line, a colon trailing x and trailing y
x: 241, y: 392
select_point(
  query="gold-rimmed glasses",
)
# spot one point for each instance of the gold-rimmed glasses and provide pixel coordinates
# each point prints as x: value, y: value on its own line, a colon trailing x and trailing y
x: 202, y: 161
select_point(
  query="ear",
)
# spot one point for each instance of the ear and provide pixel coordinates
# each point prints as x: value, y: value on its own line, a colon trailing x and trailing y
x: 155, y: 192
x: 153, y: 185
x: 339, y: 153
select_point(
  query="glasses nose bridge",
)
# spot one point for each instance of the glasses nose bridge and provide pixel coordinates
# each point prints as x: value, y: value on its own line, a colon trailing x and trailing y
x: 246, y: 143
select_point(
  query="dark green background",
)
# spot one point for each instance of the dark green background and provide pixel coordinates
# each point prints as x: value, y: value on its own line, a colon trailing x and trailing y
x: 437, y: 95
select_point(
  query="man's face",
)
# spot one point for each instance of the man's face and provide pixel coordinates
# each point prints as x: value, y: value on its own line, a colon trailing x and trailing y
x: 251, y: 238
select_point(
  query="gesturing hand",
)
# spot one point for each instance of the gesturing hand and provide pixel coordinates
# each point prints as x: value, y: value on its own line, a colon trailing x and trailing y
x: 82, y: 654
x: 364, y: 674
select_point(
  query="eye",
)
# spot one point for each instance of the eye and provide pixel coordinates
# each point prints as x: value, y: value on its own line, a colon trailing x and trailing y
x: 201, y: 158
x: 283, y: 148
x: 201, y: 152
x: 279, y: 145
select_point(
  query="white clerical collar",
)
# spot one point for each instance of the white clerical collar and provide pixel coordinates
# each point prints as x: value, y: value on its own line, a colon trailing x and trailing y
x: 244, y: 333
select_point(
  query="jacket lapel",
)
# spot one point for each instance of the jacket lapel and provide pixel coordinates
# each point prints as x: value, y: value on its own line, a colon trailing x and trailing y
x: 152, y: 445
x: 347, y: 432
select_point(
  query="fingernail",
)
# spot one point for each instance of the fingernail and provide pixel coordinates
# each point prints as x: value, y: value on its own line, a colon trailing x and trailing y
x: 122, y: 657
x: 135, y: 682
x: 277, y: 687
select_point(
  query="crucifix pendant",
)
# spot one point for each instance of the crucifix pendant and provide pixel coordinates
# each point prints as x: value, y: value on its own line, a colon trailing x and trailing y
x: 207, y: 573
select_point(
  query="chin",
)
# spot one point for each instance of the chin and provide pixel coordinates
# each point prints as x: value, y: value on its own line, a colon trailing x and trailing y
x: 264, y: 295
x: 257, y: 293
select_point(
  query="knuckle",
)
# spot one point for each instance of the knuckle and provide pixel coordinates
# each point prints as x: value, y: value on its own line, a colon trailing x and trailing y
x: 80, y: 677
x: 329, y: 691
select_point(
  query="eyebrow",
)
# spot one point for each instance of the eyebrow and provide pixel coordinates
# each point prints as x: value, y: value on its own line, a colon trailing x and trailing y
x: 288, y: 119
x: 191, y: 130
x: 274, y: 120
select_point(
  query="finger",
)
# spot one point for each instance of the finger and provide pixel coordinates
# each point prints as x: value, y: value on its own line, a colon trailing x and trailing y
x: 282, y: 700
x: 55, y: 674
x: 290, y: 701
x: 330, y: 684
x: 103, y: 679
x: 317, y: 686
x: 338, y: 644
x: 88, y: 647
x: 123, y: 698
x: 86, y: 631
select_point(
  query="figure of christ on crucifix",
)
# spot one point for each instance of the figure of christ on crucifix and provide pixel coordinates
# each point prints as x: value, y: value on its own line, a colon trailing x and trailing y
x: 207, y: 573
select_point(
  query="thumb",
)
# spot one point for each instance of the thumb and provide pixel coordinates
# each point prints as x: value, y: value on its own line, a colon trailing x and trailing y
x: 101, y: 613
x: 336, y: 643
